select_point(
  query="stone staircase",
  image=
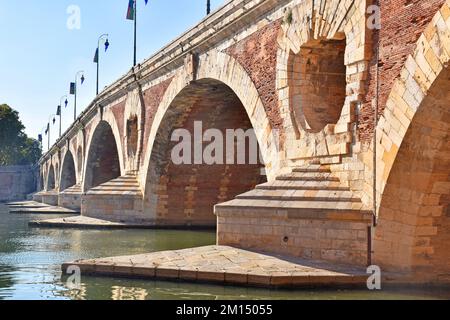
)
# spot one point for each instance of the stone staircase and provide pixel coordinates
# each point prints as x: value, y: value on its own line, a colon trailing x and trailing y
x: 307, y: 212
x: 126, y: 185
x: 118, y: 200
x: 71, y: 198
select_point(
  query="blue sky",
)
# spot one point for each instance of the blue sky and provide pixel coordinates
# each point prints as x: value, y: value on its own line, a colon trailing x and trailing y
x: 39, y: 54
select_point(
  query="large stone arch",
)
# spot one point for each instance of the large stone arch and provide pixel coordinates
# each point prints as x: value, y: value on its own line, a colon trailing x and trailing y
x: 311, y: 32
x: 225, y: 69
x: 104, y: 145
x: 231, y: 77
x: 413, y: 155
x: 68, y: 172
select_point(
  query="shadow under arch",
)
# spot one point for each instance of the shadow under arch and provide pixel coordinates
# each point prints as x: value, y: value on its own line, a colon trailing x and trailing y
x: 68, y: 173
x: 102, y: 163
x: 51, y: 179
x: 184, y: 194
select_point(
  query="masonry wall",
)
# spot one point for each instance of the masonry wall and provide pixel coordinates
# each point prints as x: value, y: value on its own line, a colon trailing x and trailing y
x: 17, y: 181
x: 402, y: 22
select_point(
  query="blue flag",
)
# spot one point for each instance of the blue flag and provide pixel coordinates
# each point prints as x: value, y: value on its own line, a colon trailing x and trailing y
x: 96, y: 56
x: 73, y: 87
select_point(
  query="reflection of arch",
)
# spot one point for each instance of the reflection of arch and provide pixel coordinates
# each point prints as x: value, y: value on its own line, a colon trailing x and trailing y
x: 103, y: 159
x: 413, y: 161
x: 51, y: 179
x: 68, y: 174
x: 186, y: 193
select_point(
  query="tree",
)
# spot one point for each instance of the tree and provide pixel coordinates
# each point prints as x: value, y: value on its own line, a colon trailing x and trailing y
x: 16, y: 148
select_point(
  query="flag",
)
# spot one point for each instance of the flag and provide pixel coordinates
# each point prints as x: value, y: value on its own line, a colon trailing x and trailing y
x: 58, y: 111
x: 130, y: 12
x: 146, y: 1
x: 40, y: 138
x: 73, y: 87
x: 96, y: 56
x: 48, y: 128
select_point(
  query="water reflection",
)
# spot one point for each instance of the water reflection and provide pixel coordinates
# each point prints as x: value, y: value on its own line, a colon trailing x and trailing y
x: 30, y: 261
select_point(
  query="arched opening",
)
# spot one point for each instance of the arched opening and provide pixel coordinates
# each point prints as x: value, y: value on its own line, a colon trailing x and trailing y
x: 68, y: 175
x: 51, y: 179
x: 317, y: 82
x: 188, y: 176
x: 41, y: 181
x: 103, y: 158
x: 414, y: 217
x: 132, y: 135
x: 80, y: 160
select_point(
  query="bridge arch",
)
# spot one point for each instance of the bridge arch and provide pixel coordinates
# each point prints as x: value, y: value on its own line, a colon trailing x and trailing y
x: 413, y: 157
x: 68, y: 173
x: 51, y: 179
x: 104, y: 157
x: 222, y: 100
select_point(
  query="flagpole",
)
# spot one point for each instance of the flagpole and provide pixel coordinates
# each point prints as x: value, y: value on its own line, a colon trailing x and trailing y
x: 135, y: 31
x: 60, y: 113
x: 76, y: 91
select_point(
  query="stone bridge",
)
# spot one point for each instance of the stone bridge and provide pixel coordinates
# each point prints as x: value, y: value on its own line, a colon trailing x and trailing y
x: 304, y: 75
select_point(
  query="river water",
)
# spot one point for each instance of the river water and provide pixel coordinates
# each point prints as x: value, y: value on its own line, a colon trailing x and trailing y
x: 30, y: 260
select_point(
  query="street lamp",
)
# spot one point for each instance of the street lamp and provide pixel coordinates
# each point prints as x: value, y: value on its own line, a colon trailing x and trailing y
x: 59, y: 111
x: 97, y: 53
x: 73, y: 91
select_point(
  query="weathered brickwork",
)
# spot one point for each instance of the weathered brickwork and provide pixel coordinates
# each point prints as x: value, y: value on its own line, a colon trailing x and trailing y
x: 152, y: 99
x: 402, y: 22
x: 258, y: 55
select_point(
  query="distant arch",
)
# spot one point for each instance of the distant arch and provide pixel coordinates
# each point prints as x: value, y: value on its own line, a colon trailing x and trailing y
x: 68, y: 174
x: 103, y: 160
x: 51, y: 179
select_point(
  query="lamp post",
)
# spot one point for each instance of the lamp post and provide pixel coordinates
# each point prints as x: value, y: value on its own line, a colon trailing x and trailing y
x: 59, y: 111
x: 73, y: 90
x: 48, y: 128
x: 97, y: 54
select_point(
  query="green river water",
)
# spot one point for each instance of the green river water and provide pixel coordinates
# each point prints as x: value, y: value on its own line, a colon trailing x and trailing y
x: 30, y: 260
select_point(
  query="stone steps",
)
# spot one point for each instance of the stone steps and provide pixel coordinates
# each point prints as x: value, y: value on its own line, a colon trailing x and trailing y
x: 303, y: 185
x: 300, y: 195
x: 307, y: 176
x: 75, y: 189
x: 307, y: 213
x: 312, y: 168
x: 126, y: 186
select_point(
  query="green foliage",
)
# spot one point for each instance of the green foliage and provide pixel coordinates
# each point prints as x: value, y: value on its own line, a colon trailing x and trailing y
x: 15, y: 147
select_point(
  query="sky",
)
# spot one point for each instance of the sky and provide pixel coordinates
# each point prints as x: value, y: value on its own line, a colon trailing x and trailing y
x: 42, y: 47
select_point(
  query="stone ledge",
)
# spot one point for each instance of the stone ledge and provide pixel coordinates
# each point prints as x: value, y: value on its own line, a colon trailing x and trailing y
x: 225, y: 265
x: 83, y: 222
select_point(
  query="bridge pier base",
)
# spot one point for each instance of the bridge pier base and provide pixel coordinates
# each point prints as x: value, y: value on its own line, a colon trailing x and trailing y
x: 71, y: 198
x: 307, y: 213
